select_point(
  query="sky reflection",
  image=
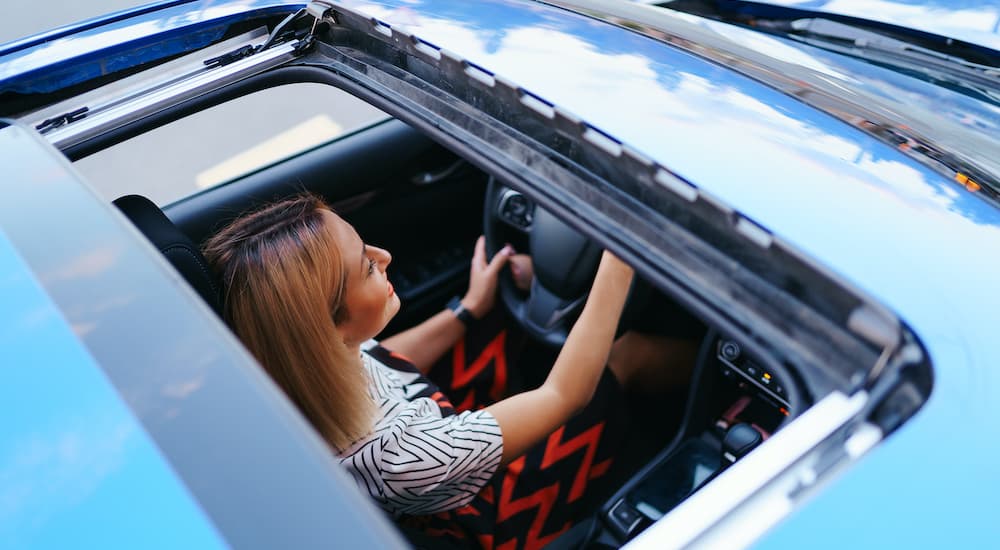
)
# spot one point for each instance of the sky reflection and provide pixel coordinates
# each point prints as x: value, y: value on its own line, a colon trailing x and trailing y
x: 76, y: 469
x: 700, y: 120
x: 819, y: 183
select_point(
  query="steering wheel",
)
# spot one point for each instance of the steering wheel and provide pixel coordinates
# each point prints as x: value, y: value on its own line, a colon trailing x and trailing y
x: 564, y: 262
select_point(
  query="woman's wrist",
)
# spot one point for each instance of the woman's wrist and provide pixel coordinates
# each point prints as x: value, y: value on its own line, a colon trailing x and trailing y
x: 462, y: 312
x: 475, y: 307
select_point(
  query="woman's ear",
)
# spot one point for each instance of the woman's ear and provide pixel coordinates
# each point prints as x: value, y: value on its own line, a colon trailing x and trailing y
x: 339, y: 314
x: 336, y: 318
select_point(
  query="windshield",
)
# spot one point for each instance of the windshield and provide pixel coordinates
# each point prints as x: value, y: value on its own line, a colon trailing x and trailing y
x: 858, y: 30
x: 972, y: 21
x: 941, y: 108
x: 979, y: 78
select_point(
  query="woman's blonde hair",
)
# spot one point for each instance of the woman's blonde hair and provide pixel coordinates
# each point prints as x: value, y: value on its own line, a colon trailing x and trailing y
x: 285, y: 289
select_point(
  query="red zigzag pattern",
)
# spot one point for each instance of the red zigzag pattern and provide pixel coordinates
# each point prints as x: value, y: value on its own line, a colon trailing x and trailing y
x: 544, y: 499
x: 555, y: 450
x: 494, y: 351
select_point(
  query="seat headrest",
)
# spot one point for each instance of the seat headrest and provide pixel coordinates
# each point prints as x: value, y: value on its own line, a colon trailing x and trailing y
x: 178, y: 248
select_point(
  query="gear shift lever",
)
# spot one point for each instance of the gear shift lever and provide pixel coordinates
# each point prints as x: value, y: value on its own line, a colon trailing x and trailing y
x: 739, y: 440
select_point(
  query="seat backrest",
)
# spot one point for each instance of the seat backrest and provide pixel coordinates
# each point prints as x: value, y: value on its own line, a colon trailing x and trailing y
x: 178, y: 248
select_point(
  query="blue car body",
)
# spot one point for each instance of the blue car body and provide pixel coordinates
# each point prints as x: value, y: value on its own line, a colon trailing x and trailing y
x: 82, y: 465
x: 974, y: 21
x: 899, y: 225
x: 137, y: 429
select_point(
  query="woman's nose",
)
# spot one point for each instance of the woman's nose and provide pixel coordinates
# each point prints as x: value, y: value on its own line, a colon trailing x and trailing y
x: 382, y: 256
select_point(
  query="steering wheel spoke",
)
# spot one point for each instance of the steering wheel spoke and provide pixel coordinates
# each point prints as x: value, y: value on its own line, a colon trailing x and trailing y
x: 546, y: 316
x: 564, y: 263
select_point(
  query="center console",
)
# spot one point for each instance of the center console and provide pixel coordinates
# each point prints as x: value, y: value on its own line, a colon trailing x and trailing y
x: 734, y: 405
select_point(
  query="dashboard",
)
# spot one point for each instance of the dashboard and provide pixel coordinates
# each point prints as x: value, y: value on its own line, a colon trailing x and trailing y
x: 737, y: 367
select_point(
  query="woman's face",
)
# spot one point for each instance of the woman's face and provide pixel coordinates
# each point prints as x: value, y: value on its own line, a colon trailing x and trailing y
x: 370, y: 299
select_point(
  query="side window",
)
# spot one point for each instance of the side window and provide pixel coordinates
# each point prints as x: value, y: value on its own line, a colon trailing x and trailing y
x: 222, y: 143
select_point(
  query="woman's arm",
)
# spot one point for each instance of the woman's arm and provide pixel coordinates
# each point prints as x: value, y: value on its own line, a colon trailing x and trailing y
x: 427, y: 342
x: 527, y: 418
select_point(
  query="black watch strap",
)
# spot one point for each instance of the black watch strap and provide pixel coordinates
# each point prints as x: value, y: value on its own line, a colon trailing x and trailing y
x: 464, y: 315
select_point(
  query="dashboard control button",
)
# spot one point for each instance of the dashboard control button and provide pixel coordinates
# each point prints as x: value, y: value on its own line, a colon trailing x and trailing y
x: 625, y: 516
x: 516, y: 209
x: 730, y: 350
x: 739, y: 369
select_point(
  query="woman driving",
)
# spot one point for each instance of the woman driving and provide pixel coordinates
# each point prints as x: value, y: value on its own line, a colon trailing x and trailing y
x: 306, y: 295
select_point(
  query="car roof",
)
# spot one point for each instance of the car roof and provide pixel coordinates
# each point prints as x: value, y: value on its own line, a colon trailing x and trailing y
x: 973, y: 21
x: 686, y: 113
x: 976, y: 22
x: 893, y: 227
x: 98, y: 47
x: 75, y: 271
x: 75, y: 444
x: 861, y: 208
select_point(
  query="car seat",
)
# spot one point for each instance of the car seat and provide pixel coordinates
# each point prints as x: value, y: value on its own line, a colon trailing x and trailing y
x: 177, y: 247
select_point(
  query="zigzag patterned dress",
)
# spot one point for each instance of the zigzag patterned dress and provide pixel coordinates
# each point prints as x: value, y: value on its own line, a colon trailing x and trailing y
x: 434, y: 466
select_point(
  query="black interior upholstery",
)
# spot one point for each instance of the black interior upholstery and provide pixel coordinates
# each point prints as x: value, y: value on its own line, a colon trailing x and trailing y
x: 399, y: 189
x: 384, y: 156
x: 175, y: 245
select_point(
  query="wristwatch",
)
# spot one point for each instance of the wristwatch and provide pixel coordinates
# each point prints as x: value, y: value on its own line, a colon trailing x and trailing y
x: 464, y: 315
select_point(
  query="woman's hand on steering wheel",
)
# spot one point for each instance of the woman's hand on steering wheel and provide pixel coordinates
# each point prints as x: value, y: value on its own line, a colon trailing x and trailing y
x: 483, y: 275
x: 522, y: 271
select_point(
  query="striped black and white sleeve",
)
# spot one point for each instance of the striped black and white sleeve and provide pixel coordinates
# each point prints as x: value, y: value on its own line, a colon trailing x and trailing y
x: 420, y: 463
